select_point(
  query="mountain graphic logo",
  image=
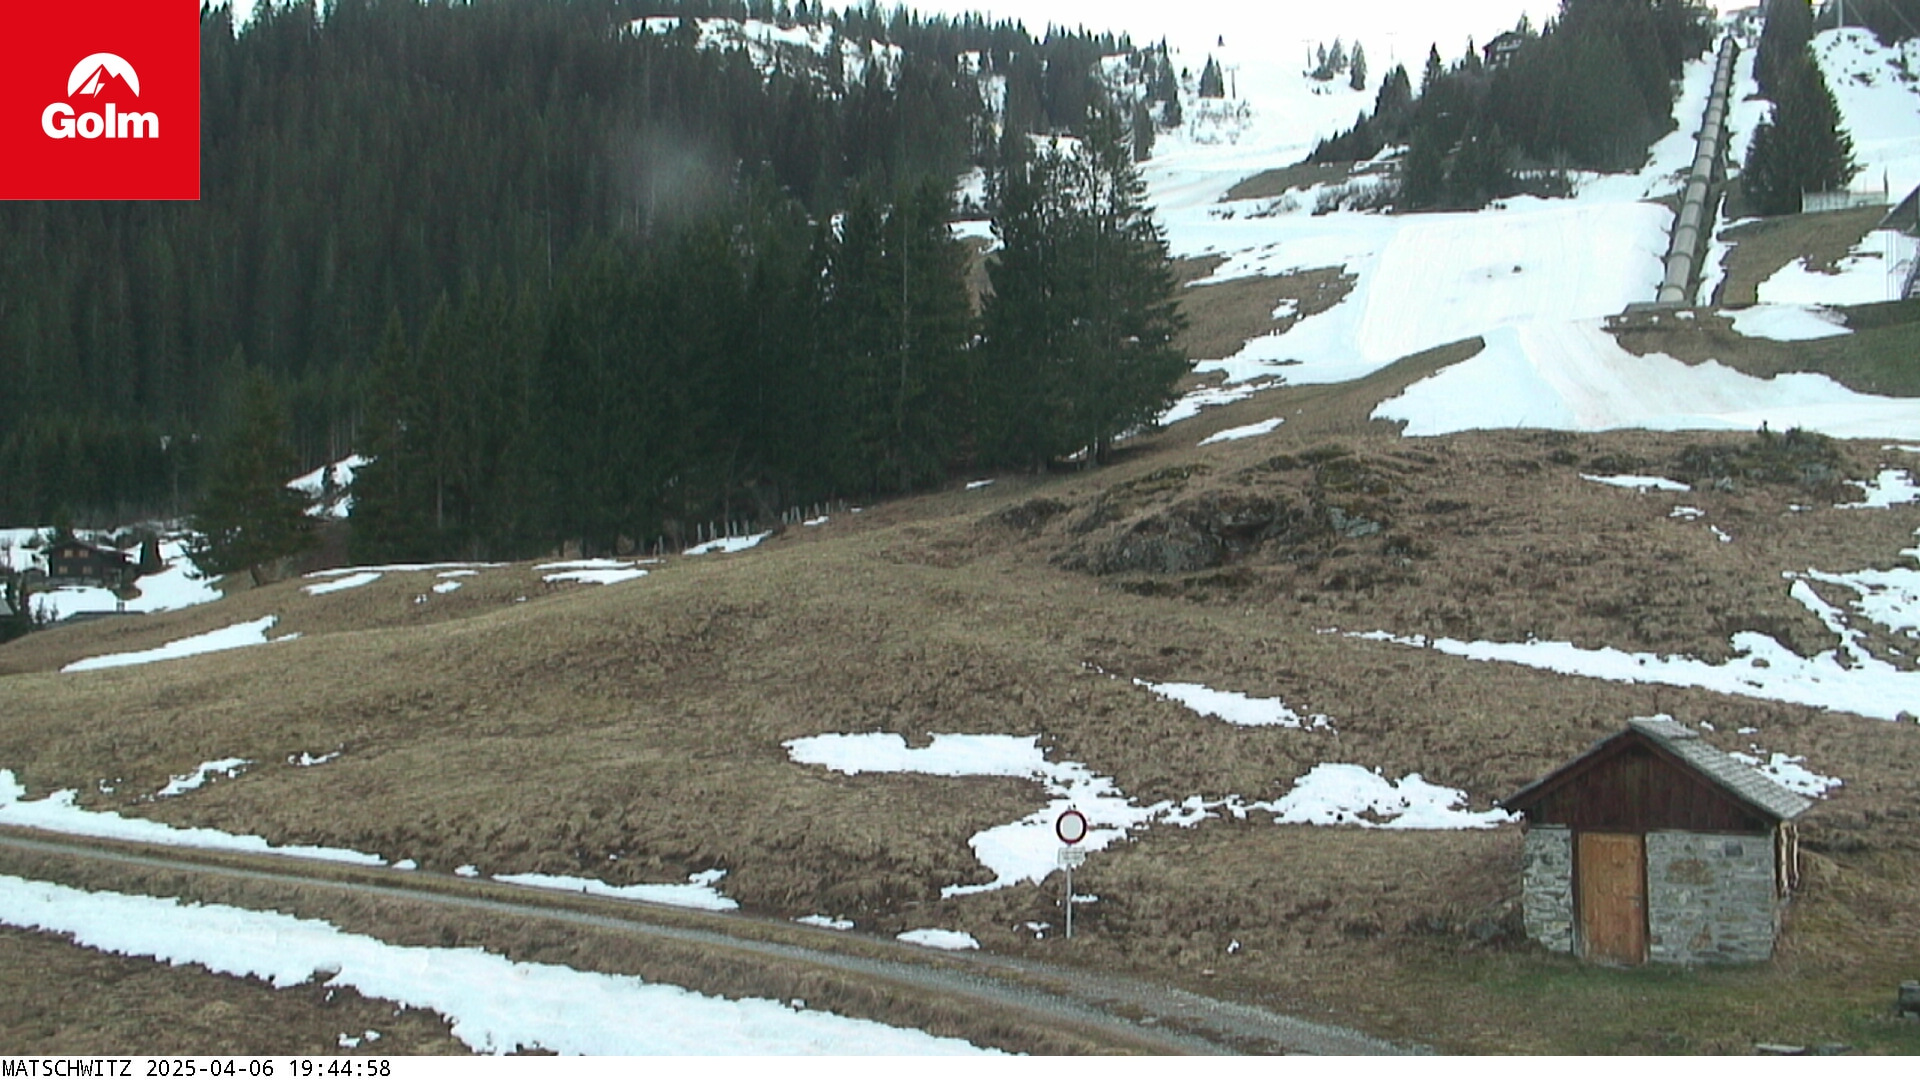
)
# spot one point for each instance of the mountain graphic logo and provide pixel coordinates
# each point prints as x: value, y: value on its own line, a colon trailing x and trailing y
x: 121, y: 123
x: 91, y: 78
x: 90, y: 75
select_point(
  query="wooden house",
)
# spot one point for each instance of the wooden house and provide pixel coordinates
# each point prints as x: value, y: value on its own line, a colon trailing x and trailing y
x: 1654, y: 845
x: 1499, y: 52
x: 76, y: 562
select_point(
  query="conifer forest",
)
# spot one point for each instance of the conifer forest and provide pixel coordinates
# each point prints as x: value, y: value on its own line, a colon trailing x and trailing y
x: 569, y: 278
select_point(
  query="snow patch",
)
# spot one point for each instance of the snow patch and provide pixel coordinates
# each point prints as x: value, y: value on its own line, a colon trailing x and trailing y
x: 596, y: 571
x: 1207, y: 397
x: 190, y: 781
x: 1789, y: 772
x: 1336, y: 794
x: 825, y: 922
x: 1576, y: 377
x: 1236, y: 708
x: 1264, y: 427
x: 238, y: 636
x: 494, y: 1005
x: 1026, y: 850
x: 1849, y: 678
x: 730, y: 544
x: 951, y: 940
x: 699, y: 892
x: 1782, y: 322
x: 339, y: 505
x: 342, y: 584
x: 1860, y: 277
x: 1639, y: 483
x: 1893, y: 487
x: 58, y: 813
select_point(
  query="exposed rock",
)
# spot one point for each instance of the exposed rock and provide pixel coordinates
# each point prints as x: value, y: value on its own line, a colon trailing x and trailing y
x: 1197, y: 534
x: 1030, y: 516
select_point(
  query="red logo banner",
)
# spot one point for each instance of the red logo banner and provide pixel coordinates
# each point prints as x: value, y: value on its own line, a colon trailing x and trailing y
x: 100, y: 100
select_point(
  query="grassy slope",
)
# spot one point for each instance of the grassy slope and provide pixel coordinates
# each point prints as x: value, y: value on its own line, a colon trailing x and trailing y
x: 645, y: 720
x: 524, y: 726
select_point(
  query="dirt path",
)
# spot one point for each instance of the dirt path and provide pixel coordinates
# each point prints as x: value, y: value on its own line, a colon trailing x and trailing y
x: 1111, y: 1012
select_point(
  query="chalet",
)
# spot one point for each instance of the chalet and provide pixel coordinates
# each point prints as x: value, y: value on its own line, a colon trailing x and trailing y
x: 1654, y: 845
x: 1499, y: 52
x: 76, y: 562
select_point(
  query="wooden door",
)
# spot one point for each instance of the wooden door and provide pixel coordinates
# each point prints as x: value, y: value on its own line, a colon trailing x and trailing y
x: 1613, y: 907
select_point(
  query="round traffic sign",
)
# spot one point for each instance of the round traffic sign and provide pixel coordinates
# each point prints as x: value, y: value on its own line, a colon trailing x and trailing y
x: 1071, y: 827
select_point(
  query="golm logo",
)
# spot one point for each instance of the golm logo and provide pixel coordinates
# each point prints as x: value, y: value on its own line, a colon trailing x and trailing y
x: 92, y: 77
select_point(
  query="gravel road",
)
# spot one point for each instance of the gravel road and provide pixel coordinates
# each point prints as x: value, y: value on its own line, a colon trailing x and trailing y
x: 1128, y: 1014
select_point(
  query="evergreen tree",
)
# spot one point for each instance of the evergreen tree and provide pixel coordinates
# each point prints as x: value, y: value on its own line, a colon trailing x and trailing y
x: 1435, y: 70
x: 249, y: 517
x: 1423, y: 171
x: 1078, y: 331
x: 1480, y: 171
x: 150, y: 561
x: 1142, y: 134
x: 1784, y: 36
x: 1357, y: 72
x: 1018, y: 321
x: 1801, y: 147
x: 391, y: 518
x: 1212, y: 83
x: 16, y: 617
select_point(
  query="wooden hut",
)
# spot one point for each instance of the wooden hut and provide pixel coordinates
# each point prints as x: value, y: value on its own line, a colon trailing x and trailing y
x: 1654, y: 845
x: 76, y: 562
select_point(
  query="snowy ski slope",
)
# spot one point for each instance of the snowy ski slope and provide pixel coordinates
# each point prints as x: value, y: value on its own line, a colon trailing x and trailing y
x: 1534, y: 278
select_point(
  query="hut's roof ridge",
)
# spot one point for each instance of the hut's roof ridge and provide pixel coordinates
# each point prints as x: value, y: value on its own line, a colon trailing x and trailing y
x: 1739, y: 780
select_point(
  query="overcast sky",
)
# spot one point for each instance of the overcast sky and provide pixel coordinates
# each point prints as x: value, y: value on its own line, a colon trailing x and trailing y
x: 1406, y: 26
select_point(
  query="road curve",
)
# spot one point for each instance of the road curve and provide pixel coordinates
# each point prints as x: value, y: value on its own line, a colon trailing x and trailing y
x: 1098, y: 1006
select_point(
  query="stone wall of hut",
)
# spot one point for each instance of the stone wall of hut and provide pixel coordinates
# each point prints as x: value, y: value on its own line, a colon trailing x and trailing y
x: 1711, y: 898
x: 1547, y: 886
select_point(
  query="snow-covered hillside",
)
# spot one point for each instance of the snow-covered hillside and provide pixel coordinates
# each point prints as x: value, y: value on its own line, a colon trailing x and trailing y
x: 1878, y: 90
x: 1534, y: 277
x: 795, y: 49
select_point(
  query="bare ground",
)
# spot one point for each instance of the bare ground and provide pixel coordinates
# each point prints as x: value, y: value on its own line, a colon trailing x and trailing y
x: 1761, y: 248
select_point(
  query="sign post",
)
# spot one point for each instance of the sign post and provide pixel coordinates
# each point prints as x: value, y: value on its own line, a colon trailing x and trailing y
x: 1071, y: 828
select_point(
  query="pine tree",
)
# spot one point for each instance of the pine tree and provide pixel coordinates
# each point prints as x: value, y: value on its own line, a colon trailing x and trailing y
x: 1480, y: 170
x: 1078, y: 332
x: 1012, y: 380
x: 249, y: 517
x: 1143, y: 131
x: 1784, y: 36
x: 1435, y: 70
x: 391, y: 518
x: 1212, y: 83
x: 1357, y: 73
x: 1801, y: 147
x: 1129, y: 363
x: 1422, y: 171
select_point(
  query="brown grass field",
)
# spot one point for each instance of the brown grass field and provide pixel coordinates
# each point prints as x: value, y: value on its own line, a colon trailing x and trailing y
x: 633, y: 732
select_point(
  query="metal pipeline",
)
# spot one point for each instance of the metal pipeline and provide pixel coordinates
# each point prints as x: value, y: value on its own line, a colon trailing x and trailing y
x: 1684, y: 245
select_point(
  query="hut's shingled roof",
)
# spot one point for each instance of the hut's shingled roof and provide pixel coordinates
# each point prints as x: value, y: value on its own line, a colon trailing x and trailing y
x: 1740, y: 781
x: 1743, y: 780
